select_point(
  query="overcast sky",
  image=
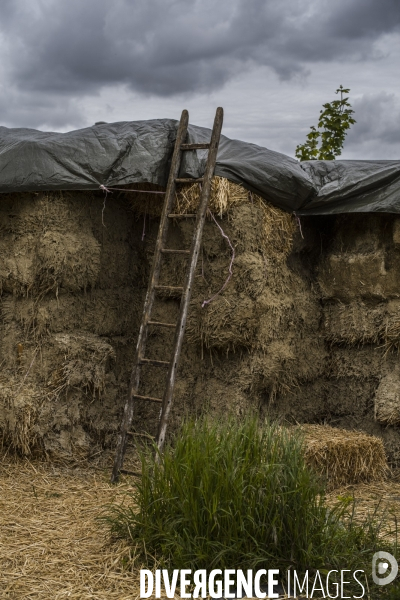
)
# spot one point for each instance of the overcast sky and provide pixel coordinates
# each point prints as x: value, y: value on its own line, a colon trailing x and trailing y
x: 270, y: 63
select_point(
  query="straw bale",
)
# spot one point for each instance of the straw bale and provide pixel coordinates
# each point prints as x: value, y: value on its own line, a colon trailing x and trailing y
x: 354, y: 323
x: 258, y: 306
x: 391, y: 327
x: 283, y: 364
x: 362, y: 362
x: 294, y: 314
x: 34, y: 213
x: 227, y: 323
x: 85, y: 360
x: 273, y: 370
x: 18, y: 264
x: 120, y: 264
x: 103, y: 312
x: 346, y: 402
x: 52, y: 545
x: 350, y: 275
x: 360, y: 322
x: 344, y: 457
x: 360, y: 233
x: 387, y: 399
x: 256, y: 224
x: 249, y: 275
x: 68, y: 260
x: 51, y: 391
x: 20, y: 411
x: 48, y: 262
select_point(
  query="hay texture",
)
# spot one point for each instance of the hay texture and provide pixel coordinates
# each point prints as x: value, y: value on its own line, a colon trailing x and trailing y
x: 387, y: 398
x: 372, y: 499
x: 344, y: 457
x: 51, y: 544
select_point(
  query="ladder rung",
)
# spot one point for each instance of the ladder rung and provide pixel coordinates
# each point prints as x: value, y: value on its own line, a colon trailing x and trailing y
x: 148, y: 399
x: 182, y: 216
x: 189, y: 180
x: 168, y: 288
x: 134, y: 473
x: 195, y: 146
x: 161, y: 324
x: 155, y: 363
x: 173, y: 251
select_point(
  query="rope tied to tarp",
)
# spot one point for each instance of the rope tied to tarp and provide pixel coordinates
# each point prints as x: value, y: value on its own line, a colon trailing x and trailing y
x: 107, y: 190
x: 110, y: 190
x: 299, y: 224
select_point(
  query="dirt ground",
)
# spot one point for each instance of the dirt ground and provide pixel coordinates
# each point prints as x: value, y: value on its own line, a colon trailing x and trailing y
x: 53, y: 547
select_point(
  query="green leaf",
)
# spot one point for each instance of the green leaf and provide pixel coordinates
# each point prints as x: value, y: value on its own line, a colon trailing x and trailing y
x: 333, y: 123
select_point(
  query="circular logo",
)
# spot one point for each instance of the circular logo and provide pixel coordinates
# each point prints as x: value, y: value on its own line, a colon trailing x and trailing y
x: 381, y: 561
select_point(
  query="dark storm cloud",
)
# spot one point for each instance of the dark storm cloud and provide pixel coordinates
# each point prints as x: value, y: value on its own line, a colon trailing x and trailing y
x: 164, y: 47
x: 378, y: 120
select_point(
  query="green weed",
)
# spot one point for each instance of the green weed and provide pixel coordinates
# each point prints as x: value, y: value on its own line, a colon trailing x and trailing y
x: 240, y: 495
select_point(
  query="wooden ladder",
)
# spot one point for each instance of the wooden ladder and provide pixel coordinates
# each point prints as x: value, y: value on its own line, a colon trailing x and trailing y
x: 153, y: 287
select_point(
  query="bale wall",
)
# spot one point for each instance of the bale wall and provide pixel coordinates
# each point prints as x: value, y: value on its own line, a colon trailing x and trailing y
x: 353, y: 261
x: 307, y: 328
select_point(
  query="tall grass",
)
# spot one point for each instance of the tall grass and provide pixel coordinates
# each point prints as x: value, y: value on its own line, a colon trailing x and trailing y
x: 239, y: 495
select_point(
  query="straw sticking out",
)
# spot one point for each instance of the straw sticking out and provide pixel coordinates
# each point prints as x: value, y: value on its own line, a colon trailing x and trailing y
x: 276, y: 228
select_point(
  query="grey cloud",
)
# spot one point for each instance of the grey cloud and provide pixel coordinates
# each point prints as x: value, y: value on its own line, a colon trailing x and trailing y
x: 378, y: 118
x: 40, y: 110
x: 377, y: 131
x: 166, y: 47
x: 364, y: 19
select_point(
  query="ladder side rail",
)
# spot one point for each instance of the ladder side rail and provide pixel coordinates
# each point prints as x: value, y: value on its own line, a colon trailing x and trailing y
x: 148, y: 304
x: 196, y: 242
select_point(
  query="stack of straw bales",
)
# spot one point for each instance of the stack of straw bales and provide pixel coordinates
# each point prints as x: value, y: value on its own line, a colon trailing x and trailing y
x: 306, y: 329
x: 267, y: 313
x: 358, y: 276
x: 68, y: 308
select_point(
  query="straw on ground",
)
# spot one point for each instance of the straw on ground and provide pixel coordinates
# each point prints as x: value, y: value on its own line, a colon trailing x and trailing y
x: 51, y: 544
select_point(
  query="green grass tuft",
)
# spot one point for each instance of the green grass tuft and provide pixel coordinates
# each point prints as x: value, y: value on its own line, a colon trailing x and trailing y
x: 240, y: 495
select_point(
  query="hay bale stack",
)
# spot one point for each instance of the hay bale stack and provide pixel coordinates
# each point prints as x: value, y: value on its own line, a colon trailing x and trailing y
x: 357, y: 273
x: 69, y: 312
x: 354, y: 323
x: 266, y: 313
x: 45, y: 247
x: 344, y: 457
x: 293, y: 332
